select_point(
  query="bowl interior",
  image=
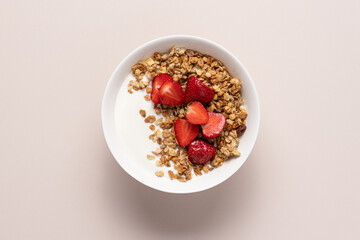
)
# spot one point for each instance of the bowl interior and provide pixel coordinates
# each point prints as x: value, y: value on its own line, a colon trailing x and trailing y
x: 127, y: 134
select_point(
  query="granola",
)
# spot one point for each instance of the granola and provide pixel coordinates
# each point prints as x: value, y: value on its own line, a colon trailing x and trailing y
x: 181, y: 63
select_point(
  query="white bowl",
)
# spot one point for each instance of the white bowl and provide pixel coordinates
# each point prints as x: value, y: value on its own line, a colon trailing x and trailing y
x: 127, y: 135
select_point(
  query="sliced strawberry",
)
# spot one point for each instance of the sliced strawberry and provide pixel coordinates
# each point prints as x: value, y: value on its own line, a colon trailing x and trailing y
x: 214, y: 126
x: 198, y: 91
x: 197, y: 114
x: 171, y: 93
x: 157, y: 82
x: 200, y: 152
x: 185, y: 132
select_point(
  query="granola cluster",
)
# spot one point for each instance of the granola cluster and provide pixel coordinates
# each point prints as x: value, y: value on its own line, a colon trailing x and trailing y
x: 182, y: 63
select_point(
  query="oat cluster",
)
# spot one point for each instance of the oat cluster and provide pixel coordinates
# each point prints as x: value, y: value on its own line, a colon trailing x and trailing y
x: 182, y: 63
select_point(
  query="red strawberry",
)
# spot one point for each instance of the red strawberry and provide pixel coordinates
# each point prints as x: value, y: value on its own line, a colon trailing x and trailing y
x: 197, y: 91
x: 197, y: 114
x: 185, y: 132
x: 214, y: 126
x: 171, y: 93
x: 156, y: 85
x: 200, y: 152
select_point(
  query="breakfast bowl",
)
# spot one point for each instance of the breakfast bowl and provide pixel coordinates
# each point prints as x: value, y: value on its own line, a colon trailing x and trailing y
x: 128, y: 136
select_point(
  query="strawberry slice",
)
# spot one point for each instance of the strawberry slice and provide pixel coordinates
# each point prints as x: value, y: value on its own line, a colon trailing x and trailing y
x: 198, y: 91
x: 214, y: 126
x: 200, y: 152
x: 185, y: 132
x: 157, y: 82
x: 197, y: 114
x: 171, y: 93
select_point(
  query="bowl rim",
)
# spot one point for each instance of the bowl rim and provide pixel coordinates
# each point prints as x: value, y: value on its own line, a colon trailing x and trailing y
x: 112, y: 79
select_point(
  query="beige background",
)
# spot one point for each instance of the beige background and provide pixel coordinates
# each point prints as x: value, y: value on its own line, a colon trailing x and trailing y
x: 58, y: 179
